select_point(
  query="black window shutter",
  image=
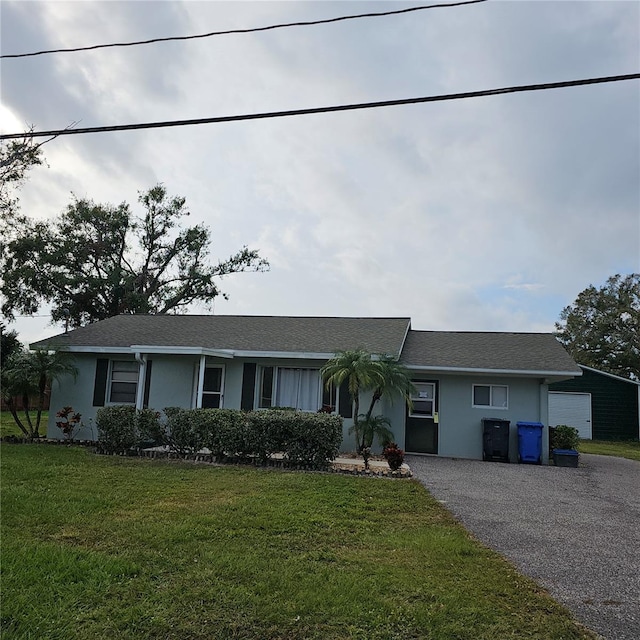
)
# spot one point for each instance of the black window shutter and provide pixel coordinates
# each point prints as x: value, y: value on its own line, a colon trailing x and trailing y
x: 147, y: 384
x: 248, y: 386
x: 100, y: 384
x: 345, y: 402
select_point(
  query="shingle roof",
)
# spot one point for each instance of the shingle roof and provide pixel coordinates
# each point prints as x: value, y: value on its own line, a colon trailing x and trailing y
x: 526, y: 352
x: 490, y: 351
x: 241, y: 333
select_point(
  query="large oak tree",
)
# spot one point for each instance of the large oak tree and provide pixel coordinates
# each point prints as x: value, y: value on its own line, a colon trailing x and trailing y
x: 16, y: 158
x: 601, y: 329
x: 98, y: 260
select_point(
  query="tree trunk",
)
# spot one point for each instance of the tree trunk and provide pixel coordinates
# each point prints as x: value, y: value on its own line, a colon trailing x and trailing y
x: 377, y: 394
x: 42, y: 389
x: 356, y: 411
x: 14, y: 413
x: 26, y: 408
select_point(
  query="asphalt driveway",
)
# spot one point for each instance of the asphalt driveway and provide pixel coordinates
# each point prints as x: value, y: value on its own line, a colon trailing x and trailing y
x: 575, y: 531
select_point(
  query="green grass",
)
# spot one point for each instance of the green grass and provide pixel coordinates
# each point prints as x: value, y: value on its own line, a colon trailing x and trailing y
x: 8, y: 426
x: 105, y: 547
x: 622, y: 449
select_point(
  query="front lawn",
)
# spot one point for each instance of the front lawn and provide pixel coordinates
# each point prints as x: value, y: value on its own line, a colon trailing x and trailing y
x: 622, y: 449
x: 107, y: 547
x: 8, y: 426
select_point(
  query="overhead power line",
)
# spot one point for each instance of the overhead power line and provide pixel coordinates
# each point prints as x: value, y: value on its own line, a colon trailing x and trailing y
x: 342, y: 107
x: 211, y: 34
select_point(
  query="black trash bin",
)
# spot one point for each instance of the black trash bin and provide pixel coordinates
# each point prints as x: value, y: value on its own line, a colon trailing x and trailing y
x: 495, y: 439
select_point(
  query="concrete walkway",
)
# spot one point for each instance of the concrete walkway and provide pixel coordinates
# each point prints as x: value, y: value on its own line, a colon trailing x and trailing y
x: 575, y: 531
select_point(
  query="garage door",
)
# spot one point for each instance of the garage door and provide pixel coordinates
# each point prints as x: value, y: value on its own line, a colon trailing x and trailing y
x: 573, y: 409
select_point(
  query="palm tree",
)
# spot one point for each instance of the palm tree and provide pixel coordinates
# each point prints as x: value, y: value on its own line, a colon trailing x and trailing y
x: 27, y: 374
x: 9, y: 343
x: 392, y: 380
x: 362, y: 372
x: 355, y: 369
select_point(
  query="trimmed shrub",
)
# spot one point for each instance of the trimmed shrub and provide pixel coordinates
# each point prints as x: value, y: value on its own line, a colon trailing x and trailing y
x: 121, y: 428
x: 564, y: 437
x: 268, y: 432
x: 149, y: 430
x: 222, y: 431
x: 229, y: 434
x: 313, y: 439
x: 305, y: 439
x: 116, y: 428
x: 184, y: 430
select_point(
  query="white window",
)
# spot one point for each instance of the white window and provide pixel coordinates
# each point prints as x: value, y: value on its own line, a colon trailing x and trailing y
x: 491, y: 395
x: 290, y: 387
x: 123, y: 383
x: 423, y: 400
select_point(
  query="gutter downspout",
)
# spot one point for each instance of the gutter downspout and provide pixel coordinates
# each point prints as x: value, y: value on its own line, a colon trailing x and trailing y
x: 142, y: 374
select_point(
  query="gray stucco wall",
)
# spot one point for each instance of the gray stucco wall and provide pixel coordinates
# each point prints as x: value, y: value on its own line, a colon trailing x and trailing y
x: 460, y: 433
x: 77, y: 393
x: 172, y: 385
x: 459, y: 428
x: 460, y: 424
x: 172, y: 380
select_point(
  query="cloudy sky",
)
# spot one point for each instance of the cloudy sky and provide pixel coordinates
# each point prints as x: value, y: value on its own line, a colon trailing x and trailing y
x: 484, y: 214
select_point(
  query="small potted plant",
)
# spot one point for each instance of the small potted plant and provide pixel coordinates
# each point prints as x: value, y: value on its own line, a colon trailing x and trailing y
x: 564, y: 446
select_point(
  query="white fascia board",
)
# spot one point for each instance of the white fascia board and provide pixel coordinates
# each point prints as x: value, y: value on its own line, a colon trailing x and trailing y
x: 509, y: 372
x: 284, y: 355
x: 610, y: 375
x: 150, y: 349
x: 182, y: 351
x: 83, y: 349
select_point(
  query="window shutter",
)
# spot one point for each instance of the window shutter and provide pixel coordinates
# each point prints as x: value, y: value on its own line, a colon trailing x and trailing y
x: 248, y: 386
x: 345, y: 403
x: 147, y: 384
x: 100, y: 384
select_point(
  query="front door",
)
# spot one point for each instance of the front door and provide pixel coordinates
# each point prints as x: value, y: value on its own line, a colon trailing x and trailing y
x: 421, y: 423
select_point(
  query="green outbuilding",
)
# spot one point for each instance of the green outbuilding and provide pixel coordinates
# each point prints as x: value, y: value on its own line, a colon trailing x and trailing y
x: 602, y: 406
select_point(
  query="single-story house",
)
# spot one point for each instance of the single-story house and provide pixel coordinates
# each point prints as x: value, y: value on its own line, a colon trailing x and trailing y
x: 600, y: 405
x: 254, y: 362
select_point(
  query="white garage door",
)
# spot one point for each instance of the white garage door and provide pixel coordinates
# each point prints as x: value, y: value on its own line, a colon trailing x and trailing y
x: 573, y: 409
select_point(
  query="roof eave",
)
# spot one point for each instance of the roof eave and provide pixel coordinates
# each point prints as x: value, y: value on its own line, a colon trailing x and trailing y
x: 198, y: 351
x: 538, y: 373
x: 610, y: 375
x: 150, y: 349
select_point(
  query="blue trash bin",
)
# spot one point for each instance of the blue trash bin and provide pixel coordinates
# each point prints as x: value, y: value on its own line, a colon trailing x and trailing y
x: 530, y: 442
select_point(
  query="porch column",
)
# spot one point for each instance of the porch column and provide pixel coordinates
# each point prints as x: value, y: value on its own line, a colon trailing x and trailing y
x: 203, y: 364
x: 142, y: 374
x: 544, y: 419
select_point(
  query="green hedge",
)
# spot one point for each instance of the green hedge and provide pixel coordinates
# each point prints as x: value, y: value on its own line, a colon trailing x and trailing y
x: 121, y: 428
x: 304, y: 439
